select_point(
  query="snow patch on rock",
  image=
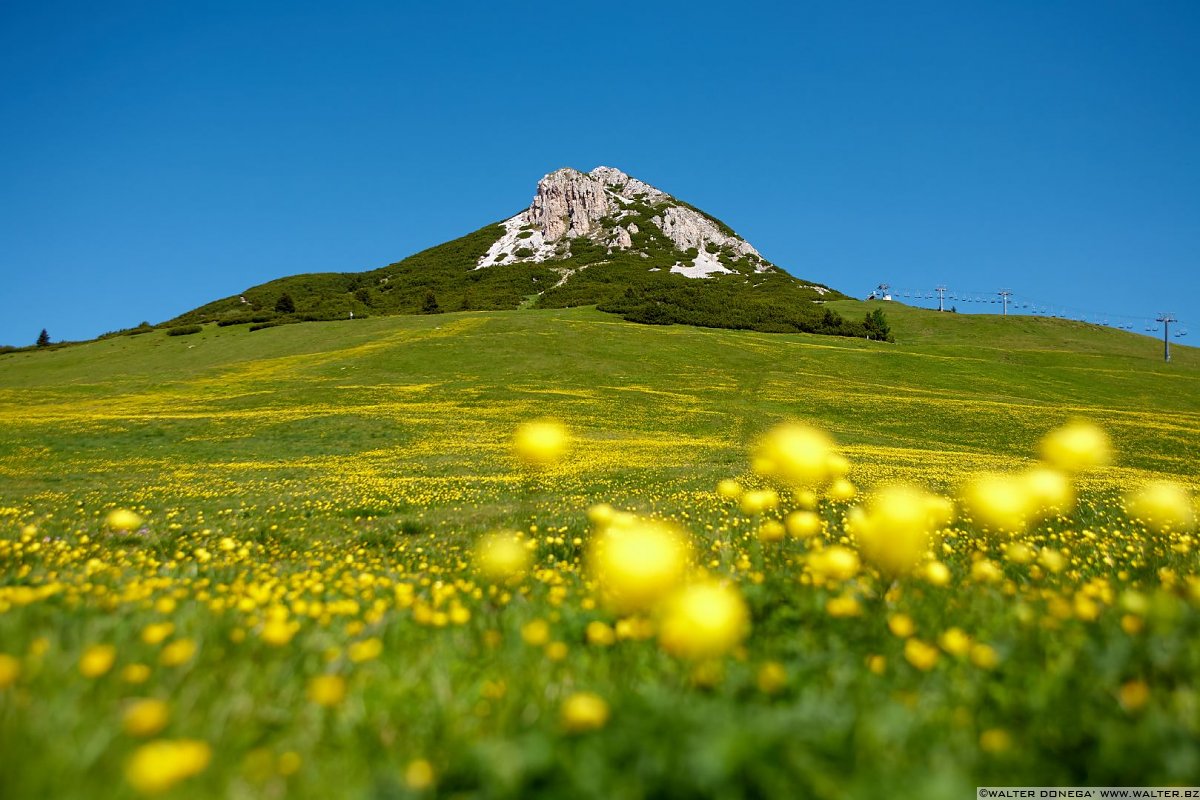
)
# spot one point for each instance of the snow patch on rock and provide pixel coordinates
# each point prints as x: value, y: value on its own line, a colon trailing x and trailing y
x: 704, y: 265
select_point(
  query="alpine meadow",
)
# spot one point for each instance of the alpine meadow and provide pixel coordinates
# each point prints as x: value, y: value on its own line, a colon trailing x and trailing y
x: 554, y: 552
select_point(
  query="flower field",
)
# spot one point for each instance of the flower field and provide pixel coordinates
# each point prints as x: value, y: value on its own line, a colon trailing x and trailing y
x: 521, y: 554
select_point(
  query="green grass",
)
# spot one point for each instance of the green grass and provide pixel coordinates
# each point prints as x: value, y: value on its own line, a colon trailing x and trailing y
x: 380, y: 446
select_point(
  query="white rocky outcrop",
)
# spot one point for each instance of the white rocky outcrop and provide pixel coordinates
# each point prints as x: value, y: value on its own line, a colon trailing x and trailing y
x: 570, y: 204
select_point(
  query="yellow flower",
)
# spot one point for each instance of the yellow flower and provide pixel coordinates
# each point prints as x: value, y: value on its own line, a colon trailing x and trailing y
x: 937, y: 573
x: 366, y: 650
x: 600, y: 633
x: 535, y: 633
x: 418, y: 775
x: 841, y: 490
x: 1076, y: 446
x: 638, y: 563
x: 10, y: 670
x: 836, y: 563
x: 756, y: 501
x: 289, y: 763
x: 955, y: 641
x: 122, y: 520
x: 803, y: 524
x: 157, y: 766
x: 1133, y: 695
x: 921, y: 655
x: 327, y: 690
x: 502, y: 556
x: 772, y: 676
x: 1162, y: 506
x: 771, y: 530
x: 1050, y: 491
x: 157, y: 632
x: 97, y: 660
x: 901, y: 625
x: 703, y: 620
x: 729, y: 489
x: 135, y: 673
x: 277, y: 632
x: 540, y: 444
x: 795, y: 454
x: 177, y: 652
x: 895, y: 528
x: 145, y: 717
x: 995, y: 740
x: 584, y: 711
x: 844, y: 606
x: 984, y: 656
x: 999, y: 503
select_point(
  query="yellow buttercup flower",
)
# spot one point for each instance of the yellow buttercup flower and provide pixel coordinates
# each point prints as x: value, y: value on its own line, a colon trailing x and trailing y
x: 419, y: 775
x: 921, y: 655
x: 703, y: 620
x: 584, y: 711
x: 97, y: 660
x: 177, y: 652
x: 796, y: 455
x: 122, y: 520
x: 541, y: 444
x: 157, y: 766
x: 999, y: 503
x: 1076, y: 446
x: 1049, y: 491
x: 638, y: 563
x: 502, y: 556
x: 834, y: 563
x: 145, y: 717
x: 1162, y: 506
x: 327, y: 690
x: 895, y: 528
x: 10, y: 670
x: 803, y: 524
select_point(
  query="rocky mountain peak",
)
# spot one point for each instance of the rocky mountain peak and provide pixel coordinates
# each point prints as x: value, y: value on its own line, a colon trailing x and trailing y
x: 607, y: 207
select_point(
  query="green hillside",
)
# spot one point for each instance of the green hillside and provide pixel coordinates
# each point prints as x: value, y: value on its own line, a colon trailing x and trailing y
x: 298, y: 610
x: 951, y: 386
x: 636, y: 283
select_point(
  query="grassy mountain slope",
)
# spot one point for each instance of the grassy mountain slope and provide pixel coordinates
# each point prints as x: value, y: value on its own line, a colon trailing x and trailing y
x: 952, y: 386
x: 635, y: 283
x: 331, y: 478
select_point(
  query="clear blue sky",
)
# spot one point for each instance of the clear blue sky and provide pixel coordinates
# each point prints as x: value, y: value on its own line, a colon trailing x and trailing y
x: 158, y: 155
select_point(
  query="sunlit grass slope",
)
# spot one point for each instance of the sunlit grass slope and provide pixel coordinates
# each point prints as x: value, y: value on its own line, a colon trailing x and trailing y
x: 298, y: 603
x: 380, y: 414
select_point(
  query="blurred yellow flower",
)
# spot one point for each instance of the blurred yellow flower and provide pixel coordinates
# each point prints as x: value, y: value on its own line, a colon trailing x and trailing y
x: 145, y: 717
x: 901, y: 625
x: 502, y: 556
x: 135, y: 673
x: 541, y: 444
x: 638, y: 563
x: 157, y: 766
x: 584, y: 711
x: 729, y: 489
x: 177, y: 652
x: 995, y: 740
x: 366, y: 650
x: 1162, y: 506
x: 122, y: 520
x: 535, y: 633
x: 600, y: 633
x: 703, y: 620
x: 835, y: 563
x: 10, y: 670
x: 803, y: 524
x: 771, y: 677
x: 327, y: 690
x: 920, y: 654
x: 796, y: 455
x: 1076, y: 446
x: 97, y: 660
x: 999, y: 503
x: 895, y: 528
x: 418, y: 775
x: 1133, y: 695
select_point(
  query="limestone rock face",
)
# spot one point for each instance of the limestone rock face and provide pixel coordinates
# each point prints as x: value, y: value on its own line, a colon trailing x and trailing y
x: 569, y: 205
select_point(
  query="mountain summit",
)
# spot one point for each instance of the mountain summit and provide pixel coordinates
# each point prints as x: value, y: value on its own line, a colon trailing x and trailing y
x: 598, y: 238
x: 604, y: 206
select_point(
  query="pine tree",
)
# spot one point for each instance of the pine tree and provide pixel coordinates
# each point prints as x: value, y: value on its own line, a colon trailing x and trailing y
x: 43, y: 338
x: 430, y: 306
x: 285, y: 304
